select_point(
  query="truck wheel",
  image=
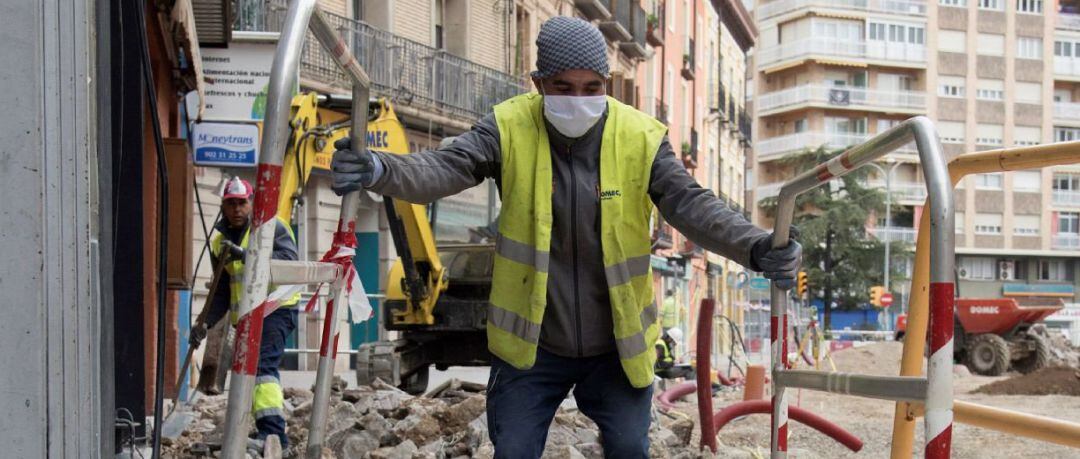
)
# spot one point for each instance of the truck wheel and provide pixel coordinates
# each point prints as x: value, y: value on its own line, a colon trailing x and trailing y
x: 988, y: 355
x: 416, y: 384
x: 1037, y: 358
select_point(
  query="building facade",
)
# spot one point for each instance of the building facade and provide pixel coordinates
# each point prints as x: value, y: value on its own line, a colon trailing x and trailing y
x: 990, y: 73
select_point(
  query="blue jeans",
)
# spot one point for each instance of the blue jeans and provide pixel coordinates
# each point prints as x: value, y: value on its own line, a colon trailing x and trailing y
x: 522, y: 403
x: 267, y: 402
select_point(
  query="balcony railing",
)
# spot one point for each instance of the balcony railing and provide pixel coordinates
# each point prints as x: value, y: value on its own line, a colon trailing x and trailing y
x: 893, y: 233
x: 690, y: 150
x: 1067, y: 111
x: 1067, y: 198
x: 656, y: 27
x: 617, y: 27
x: 835, y: 47
x: 902, y: 191
x: 745, y: 124
x: 776, y: 147
x: 907, y: 7
x: 1069, y: 241
x: 834, y: 96
x: 688, y: 60
x: 1067, y: 66
x: 417, y: 74
x: 663, y: 236
x: 1068, y: 21
x: 639, y: 28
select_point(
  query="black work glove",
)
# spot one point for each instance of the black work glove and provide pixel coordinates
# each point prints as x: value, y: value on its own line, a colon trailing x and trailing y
x: 235, y: 252
x: 779, y: 265
x: 351, y: 169
x: 197, y: 335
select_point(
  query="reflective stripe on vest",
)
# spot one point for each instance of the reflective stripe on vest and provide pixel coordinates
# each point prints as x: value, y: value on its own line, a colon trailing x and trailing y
x: 519, y: 282
x: 235, y: 268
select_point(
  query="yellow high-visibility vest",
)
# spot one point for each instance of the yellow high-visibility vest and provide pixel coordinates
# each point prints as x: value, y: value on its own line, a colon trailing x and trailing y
x: 519, y: 283
x: 235, y: 268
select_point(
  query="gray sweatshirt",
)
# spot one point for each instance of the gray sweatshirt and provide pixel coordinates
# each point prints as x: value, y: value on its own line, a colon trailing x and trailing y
x: 578, y: 320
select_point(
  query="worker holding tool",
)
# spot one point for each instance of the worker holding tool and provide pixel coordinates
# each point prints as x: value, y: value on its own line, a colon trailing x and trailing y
x: 571, y: 306
x: 268, y: 400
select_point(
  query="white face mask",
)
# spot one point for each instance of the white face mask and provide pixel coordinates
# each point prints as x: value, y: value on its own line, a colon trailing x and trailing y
x: 573, y: 116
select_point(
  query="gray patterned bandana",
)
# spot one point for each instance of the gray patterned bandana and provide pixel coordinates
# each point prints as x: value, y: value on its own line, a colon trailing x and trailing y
x: 567, y: 43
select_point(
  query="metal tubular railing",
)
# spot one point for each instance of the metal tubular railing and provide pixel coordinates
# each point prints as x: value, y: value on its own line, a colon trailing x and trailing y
x: 937, y: 386
x: 255, y: 303
x: 922, y: 290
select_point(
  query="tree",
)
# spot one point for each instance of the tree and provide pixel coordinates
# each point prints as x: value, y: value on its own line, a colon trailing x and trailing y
x: 841, y: 260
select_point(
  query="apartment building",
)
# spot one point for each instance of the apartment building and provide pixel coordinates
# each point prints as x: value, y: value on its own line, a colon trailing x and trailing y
x: 990, y: 73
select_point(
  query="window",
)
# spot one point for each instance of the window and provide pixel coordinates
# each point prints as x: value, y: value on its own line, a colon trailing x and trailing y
x: 843, y: 30
x: 1029, y: 48
x: 988, y: 181
x: 989, y: 134
x: 991, y: 44
x: 958, y: 222
x: 1029, y: 6
x: 1064, y: 134
x: 989, y: 4
x: 957, y: 3
x: 1053, y: 270
x: 1062, y: 95
x: 1069, y: 222
x: 800, y: 125
x: 977, y: 268
x: 1028, y: 92
x: 896, y: 33
x: 951, y: 86
x: 1027, y: 181
x: 988, y: 224
x: 1027, y: 135
x: 1066, y: 182
x: 952, y: 40
x: 951, y: 131
x: 1026, y: 225
x: 990, y: 90
x: 1064, y: 48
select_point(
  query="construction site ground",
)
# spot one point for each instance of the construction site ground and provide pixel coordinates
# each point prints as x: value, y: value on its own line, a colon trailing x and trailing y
x: 381, y: 422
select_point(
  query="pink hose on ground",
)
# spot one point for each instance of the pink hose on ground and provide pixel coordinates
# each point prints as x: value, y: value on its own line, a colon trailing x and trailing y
x: 668, y: 397
x: 704, y: 373
x: 734, y: 380
x: 765, y: 407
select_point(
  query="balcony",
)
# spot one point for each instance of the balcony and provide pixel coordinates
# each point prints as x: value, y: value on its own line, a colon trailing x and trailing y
x: 912, y: 102
x: 1068, y: 21
x: 691, y: 250
x: 902, y: 191
x: 905, y: 7
x: 594, y: 9
x: 1067, y: 198
x: 663, y: 236
x: 1067, y: 112
x: 690, y: 151
x: 688, y: 65
x: 1068, y: 67
x: 776, y: 147
x: 617, y: 27
x: 1067, y: 241
x: 418, y: 75
x: 893, y: 233
x: 656, y: 24
x: 831, y: 48
x: 658, y: 107
x: 637, y: 48
x: 745, y: 125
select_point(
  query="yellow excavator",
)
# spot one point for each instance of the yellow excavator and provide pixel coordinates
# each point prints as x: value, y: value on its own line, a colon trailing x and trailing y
x: 439, y: 317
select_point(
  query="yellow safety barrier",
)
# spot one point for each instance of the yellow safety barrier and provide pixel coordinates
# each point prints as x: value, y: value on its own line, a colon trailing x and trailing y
x: 1009, y: 159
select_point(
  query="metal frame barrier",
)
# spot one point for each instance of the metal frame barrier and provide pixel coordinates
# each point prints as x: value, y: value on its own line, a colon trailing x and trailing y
x: 935, y: 390
x: 259, y: 270
x: 1022, y: 424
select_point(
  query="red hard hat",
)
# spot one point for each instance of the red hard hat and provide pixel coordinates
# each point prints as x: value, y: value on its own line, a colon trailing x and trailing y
x: 237, y: 188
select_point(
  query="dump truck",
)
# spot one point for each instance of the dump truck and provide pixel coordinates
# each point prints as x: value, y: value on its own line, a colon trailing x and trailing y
x: 994, y: 335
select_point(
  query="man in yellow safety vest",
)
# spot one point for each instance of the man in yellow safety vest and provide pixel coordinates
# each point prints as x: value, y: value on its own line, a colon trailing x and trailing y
x: 267, y: 403
x: 571, y: 304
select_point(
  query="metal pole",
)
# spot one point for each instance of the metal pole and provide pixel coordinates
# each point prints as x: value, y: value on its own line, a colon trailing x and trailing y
x: 283, y: 78
x: 345, y: 236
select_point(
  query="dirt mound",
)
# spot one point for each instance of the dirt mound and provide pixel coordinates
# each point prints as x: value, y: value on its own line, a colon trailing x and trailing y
x: 882, y: 358
x: 1047, y: 381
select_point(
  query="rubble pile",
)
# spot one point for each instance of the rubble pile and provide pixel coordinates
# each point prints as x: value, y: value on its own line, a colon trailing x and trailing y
x: 1062, y: 352
x: 383, y: 422
x: 1046, y: 381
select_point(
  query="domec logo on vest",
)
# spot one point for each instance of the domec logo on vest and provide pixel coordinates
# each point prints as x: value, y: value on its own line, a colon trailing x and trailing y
x: 609, y: 194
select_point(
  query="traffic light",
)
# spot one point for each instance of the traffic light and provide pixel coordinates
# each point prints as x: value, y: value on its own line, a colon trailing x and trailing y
x: 803, y: 283
x: 875, y: 295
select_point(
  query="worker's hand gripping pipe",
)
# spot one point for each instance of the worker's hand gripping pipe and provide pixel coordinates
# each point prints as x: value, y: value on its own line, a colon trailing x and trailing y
x: 939, y: 188
x: 254, y: 305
